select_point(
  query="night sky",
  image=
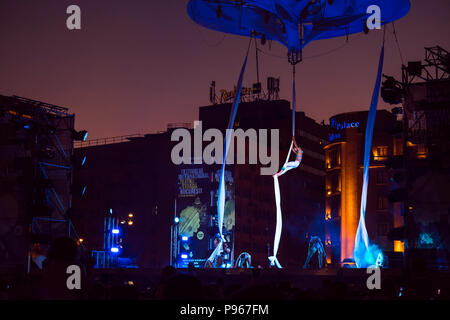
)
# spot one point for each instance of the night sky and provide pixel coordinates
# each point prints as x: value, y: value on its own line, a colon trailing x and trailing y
x: 137, y: 65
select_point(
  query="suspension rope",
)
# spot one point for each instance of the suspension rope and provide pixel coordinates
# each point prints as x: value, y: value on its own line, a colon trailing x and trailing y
x: 318, y: 55
x: 257, y: 60
x: 398, y: 43
x: 293, y: 100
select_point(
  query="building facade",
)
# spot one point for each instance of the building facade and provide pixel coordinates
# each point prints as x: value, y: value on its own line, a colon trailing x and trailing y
x: 138, y: 176
x: 420, y: 169
x: 427, y: 170
x: 302, y: 198
x: 344, y: 177
x: 134, y: 181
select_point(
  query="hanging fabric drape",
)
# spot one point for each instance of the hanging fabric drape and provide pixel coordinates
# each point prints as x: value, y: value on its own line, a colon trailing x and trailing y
x: 362, y: 251
x: 279, y: 216
x: 228, y: 135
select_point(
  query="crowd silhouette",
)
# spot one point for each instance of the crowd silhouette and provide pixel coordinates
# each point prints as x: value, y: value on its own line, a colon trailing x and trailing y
x: 47, y: 281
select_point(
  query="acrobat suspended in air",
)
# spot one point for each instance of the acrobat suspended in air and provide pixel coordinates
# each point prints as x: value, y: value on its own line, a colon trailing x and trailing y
x: 292, y: 164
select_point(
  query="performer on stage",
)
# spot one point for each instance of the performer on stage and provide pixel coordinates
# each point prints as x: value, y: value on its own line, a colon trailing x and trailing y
x: 222, y: 258
x: 315, y: 245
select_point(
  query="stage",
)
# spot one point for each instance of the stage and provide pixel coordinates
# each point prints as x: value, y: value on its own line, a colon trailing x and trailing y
x: 313, y: 279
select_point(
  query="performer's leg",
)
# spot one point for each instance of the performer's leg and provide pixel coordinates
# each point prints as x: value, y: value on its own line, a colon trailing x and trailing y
x: 311, y: 252
x: 307, y: 261
x: 288, y: 166
x: 323, y: 255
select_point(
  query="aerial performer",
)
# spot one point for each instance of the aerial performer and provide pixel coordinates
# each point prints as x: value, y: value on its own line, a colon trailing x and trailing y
x: 288, y: 165
x: 294, y: 24
x: 292, y: 164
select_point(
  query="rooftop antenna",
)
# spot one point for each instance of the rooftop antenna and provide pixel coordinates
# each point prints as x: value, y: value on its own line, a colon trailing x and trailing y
x: 212, y: 93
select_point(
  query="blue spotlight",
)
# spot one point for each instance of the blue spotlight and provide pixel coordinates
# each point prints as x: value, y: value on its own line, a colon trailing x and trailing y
x: 110, y: 211
x: 114, y: 250
x: 115, y: 231
x: 184, y: 256
x: 184, y: 238
x: 176, y: 220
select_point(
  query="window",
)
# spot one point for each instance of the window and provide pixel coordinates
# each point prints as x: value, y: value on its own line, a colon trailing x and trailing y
x: 398, y: 146
x: 335, y: 161
x: 335, y: 183
x: 335, y: 206
x: 382, y: 202
x: 382, y: 229
x: 421, y: 151
x: 380, y: 153
x: 381, y: 177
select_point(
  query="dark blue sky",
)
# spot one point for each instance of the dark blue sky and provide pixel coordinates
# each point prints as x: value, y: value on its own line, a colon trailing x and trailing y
x: 137, y: 65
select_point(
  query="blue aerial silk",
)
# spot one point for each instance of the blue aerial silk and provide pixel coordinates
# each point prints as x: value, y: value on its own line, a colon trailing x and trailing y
x: 228, y: 136
x: 364, y: 253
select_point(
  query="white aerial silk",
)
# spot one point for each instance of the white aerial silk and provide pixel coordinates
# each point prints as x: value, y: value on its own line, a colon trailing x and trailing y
x: 288, y: 165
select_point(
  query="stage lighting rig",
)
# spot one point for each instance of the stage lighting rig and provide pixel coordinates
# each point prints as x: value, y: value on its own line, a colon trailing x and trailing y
x: 79, y: 135
x: 391, y: 91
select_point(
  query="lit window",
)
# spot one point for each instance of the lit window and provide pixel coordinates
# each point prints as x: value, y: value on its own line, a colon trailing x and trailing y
x: 335, y: 160
x: 380, y: 153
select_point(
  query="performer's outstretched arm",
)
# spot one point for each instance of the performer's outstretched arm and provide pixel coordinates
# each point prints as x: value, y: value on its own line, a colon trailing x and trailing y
x: 295, y: 143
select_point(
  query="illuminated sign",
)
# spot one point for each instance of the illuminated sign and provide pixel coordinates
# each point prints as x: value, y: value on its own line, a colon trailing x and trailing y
x: 335, y: 136
x: 188, y: 182
x: 196, y: 201
x: 335, y: 125
x: 229, y: 95
x: 345, y: 125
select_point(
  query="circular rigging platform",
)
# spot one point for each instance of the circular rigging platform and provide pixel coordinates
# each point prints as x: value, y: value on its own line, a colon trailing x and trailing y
x: 293, y: 23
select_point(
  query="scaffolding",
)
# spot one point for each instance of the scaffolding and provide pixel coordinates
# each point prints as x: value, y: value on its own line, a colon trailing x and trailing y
x: 37, y: 162
x: 424, y: 92
x: 427, y: 92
